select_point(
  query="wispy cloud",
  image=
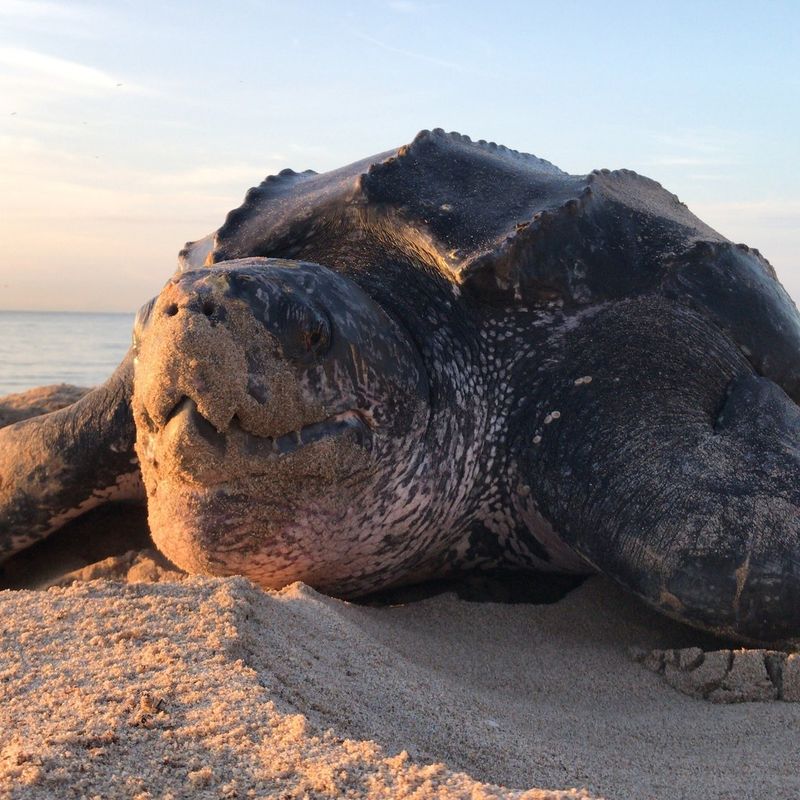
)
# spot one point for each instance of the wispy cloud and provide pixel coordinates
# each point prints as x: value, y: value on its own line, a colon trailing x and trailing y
x: 707, y: 177
x: 701, y: 151
x: 404, y: 6
x: 698, y: 141
x: 39, y: 9
x: 54, y: 184
x: 439, y: 62
x: 688, y: 161
x: 60, y: 74
x: 66, y: 19
x: 240, y: 174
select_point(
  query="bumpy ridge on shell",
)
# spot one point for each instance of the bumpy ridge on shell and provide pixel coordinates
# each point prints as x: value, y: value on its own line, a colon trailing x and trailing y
x: 715, y: 248
x: 610, y: 240
x: 200, y: 252
x: 271, y: 188
x: 736, y: 288
x: 467, y: 195
x: 499, y: 270
x: 421, y: 194
x: 504, y: 223
x: 491, y: 147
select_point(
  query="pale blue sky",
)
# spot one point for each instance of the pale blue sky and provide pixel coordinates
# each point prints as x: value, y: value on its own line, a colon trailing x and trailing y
x: 127, y: 128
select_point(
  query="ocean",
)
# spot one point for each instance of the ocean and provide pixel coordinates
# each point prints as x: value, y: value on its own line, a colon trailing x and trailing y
x: 39, y: 348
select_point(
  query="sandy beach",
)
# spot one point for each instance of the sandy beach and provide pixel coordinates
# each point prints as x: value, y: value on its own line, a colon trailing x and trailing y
x: 155, y: 685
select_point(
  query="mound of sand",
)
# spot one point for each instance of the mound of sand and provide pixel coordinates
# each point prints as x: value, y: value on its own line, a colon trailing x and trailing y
x: 213, y: 688
x: 42, y: 400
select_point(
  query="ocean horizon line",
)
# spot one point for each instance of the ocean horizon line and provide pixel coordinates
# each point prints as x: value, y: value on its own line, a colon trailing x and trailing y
x: 66, y: 311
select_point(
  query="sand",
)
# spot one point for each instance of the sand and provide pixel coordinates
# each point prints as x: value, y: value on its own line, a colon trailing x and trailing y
x: 42, y: 400
x: 196, y: 687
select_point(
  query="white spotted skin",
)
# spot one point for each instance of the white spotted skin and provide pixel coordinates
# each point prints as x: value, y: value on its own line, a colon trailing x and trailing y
x: 468, y: 484
x: 440, y: 489
x: 427, y: 500
x: 504, y: 503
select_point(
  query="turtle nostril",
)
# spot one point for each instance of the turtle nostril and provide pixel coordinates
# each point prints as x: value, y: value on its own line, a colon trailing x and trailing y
x: 208, y: 308
x: 171, y: 310
x: 258, y: 391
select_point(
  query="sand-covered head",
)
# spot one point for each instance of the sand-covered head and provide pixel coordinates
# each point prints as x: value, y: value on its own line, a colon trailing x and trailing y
x: 279, y: 412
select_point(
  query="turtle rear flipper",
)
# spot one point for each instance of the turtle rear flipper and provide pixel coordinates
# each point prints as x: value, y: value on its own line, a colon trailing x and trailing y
x: 57, y: 466
x: 672, y: 467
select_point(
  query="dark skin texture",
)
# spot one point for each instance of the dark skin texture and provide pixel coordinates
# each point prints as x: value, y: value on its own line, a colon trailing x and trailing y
x: 674, y: 470
x: 679, y: 477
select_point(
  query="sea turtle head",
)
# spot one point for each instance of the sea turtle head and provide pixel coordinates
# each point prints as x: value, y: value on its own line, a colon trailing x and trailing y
x: 279, y: 411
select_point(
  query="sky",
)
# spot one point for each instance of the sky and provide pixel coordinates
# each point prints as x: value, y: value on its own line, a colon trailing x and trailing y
x: 127, y: 128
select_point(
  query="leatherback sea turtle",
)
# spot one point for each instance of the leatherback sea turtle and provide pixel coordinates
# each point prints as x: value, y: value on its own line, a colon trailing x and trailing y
x: 447, y: 356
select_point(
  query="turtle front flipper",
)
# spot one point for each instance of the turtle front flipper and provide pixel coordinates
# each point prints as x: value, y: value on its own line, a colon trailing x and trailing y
x: 57, y: 466
x: 663, y: 459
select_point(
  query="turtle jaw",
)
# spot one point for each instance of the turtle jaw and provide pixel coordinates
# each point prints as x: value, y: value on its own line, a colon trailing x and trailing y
x: 235, y: 502
x: 203, y: 449
x: 271, y: 508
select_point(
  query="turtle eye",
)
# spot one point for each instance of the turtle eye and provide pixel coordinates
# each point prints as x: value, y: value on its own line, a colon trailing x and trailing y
x: 303, y: 330
x: 317, y: 336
